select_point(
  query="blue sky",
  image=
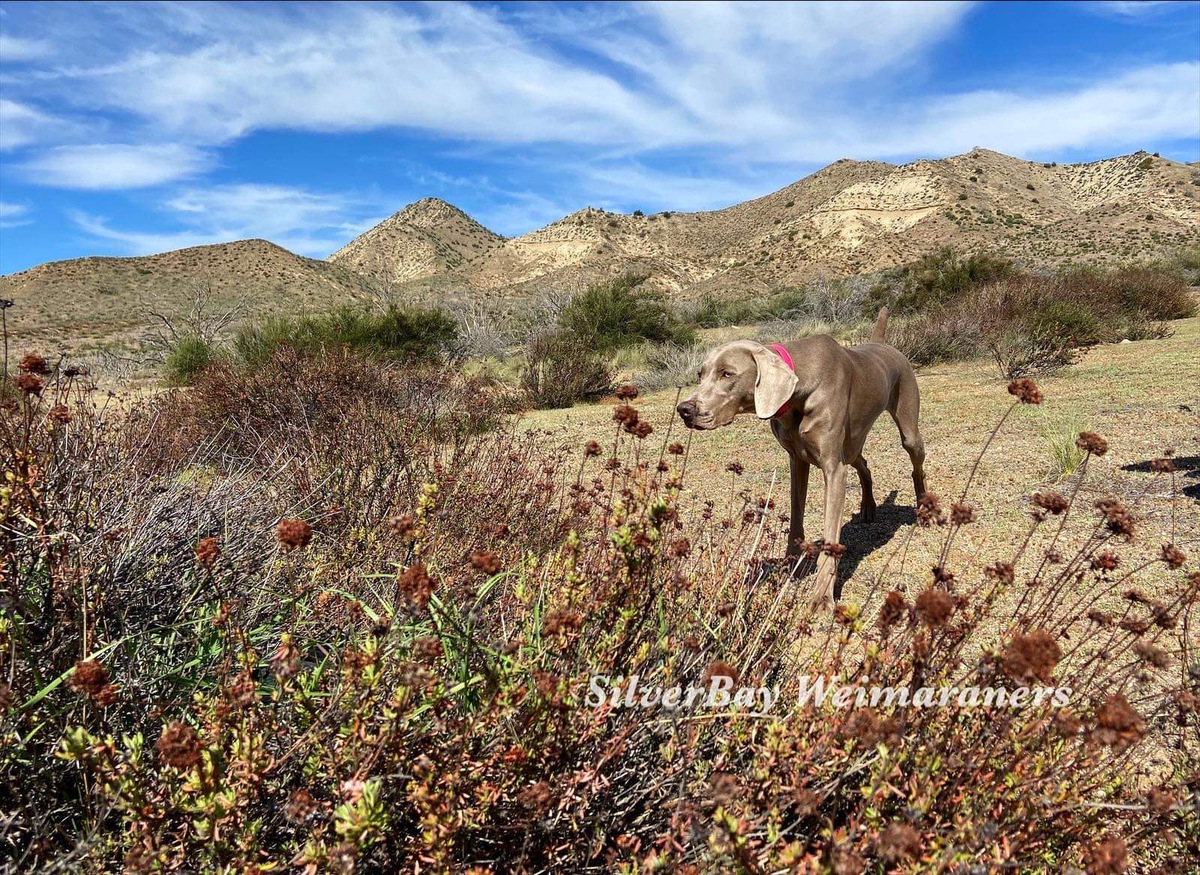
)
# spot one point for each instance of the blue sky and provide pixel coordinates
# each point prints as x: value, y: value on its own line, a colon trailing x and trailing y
x: 132, y: 128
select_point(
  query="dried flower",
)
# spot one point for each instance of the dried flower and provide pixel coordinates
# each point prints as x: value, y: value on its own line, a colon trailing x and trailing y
x: 894, y: 607
x: 592, y: 448
x: 640, y: 430
x: 416, y: 584
x: 627, y: 392
x: 962, y: 513
x: 929, y: 510
x: 1108, y: 857
x: 561, y: 623
x: 536, y: 797
x: 1031, y: 657
x: 29, y: 384
x: 1116, y: 517
x: 486, y: 561
x: 934, y: 607
x: 405, y: 526
x: 1148, y: 653
x: 293, y: 534
x: 208, y: 551
x: 428, y: 649
x: 900, y: 841
x: 1026, y: 391
x: 179, y: 746
x: 89, y: 678
x: 1051, y: 501
x: 285, y: 662
x: 1163, y: 466
x: 34, y: 364
x: 735, y: 468
x: 1105, y: 561
x: 1173, y: 556
x: 1002, y: 572
x: 724, y: 788
x: 625, y: 414
x: 1092, y: 443
x: 300, y: 807
x: 718, y: 668
x: 59, y: 414
x: 1117, y: 724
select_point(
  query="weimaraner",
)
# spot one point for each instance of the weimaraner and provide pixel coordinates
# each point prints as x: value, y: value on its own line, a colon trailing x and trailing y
x: 822, y: 399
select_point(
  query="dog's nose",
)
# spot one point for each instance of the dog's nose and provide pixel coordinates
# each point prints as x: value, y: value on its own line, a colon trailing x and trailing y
x: 687, y: 411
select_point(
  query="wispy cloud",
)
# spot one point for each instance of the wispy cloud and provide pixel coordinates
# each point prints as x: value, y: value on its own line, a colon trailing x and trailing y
x: 114, y: 166
x: 310, y: 223
x: 1134, y: 8
x: 15, y: 49
x: 13, y: 215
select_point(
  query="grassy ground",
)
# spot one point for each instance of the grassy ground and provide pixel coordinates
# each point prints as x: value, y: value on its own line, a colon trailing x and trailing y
x: 1144, y: 397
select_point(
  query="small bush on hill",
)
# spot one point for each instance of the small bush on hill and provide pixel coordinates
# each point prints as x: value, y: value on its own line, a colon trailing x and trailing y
x: 186, y: 358
x: 620, y: 313
x: 935, y: 280
x: 397, y: 333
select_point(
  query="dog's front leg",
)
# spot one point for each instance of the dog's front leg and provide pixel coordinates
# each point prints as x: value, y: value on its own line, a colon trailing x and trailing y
x: 835, y: 501
x: 799, y: 483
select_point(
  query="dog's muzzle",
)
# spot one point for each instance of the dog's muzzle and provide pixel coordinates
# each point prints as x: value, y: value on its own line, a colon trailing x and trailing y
x: 687, y: 412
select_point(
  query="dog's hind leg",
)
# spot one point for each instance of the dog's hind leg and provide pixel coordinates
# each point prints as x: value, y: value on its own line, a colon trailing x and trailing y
x: 868, y: 489
x: 798, y: 469
x: 905, y: 412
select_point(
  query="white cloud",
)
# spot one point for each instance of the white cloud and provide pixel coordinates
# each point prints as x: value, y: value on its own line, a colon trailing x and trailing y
x: 15, y: 49
x: 1134, y: 8
x: 114, y: 166
x: 13, y: 215
x: 309, y: 223
x: 21, y: 125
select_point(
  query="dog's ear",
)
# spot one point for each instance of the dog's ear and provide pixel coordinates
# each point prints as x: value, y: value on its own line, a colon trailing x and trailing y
x: 775, y: 382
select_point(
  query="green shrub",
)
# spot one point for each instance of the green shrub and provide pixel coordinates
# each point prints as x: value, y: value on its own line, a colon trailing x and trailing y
x: 935, y: 280
x: 397, y: 334
x: 186, y: 359
x: 619, y: 313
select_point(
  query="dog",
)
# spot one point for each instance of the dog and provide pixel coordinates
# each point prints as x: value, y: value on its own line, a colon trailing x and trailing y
x: 821, y: 399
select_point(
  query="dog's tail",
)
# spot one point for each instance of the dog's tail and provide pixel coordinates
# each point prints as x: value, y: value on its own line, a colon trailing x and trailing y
x: 879, y: 335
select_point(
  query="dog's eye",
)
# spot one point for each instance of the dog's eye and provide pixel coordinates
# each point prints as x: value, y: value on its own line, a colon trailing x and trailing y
x: 727, y: 374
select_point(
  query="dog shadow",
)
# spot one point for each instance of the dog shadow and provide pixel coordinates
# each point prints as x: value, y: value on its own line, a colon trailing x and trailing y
x: 860, y: 539
x: 1187, y: 467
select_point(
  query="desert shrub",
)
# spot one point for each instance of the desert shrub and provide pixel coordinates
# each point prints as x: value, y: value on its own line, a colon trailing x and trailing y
x: 187, y: 358
x: 937, y: 337
x: 619, y: 313
x: 1060, y: 438
x: 397, y: 333
x: 559, y: 370
x: 935, y: 280
x: 709, y: 311
x: 199, y: 684
x: 671, y: 365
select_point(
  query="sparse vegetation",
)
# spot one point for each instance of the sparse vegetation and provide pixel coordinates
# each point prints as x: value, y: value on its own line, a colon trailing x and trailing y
x: 619, y: 313
x: 365, y: 640
x: 395, y: 333
x: 186, y: 359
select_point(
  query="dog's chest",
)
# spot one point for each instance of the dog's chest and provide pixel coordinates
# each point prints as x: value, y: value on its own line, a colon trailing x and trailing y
x: 792, y: 436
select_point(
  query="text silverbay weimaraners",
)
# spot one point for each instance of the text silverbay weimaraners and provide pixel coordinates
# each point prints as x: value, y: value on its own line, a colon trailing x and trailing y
x: 821, y: 399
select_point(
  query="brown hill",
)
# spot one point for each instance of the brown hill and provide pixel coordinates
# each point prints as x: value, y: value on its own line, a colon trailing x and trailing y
x: 92, y: 303
x: 424, y: 239
x: 849, y: 217
x: 854, y: 217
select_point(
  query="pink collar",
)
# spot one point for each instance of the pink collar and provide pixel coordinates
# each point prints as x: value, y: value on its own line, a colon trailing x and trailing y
x: 782, y: 352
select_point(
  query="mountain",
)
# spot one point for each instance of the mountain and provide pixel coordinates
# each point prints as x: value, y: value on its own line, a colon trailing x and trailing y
x: 849, y: 217
x: 107, y: 302
x: 424, y: 239
x: 855, y: 217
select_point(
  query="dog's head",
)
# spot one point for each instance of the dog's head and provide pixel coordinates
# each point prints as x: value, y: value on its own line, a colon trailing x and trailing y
x: 738, y: 377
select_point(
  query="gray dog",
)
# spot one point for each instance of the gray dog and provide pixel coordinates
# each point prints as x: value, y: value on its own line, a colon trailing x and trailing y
x: 822, y: 399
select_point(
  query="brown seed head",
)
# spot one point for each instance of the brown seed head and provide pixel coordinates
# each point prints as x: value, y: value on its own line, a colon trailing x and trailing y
x: 627, y: 392
x: 934, y: 607
x: 1026, y: 391
x: 929, y: 510
x: 1117, y: 724
x: 486, y: 561
x: 1051, y: 501
x: 179, y: 746
x: 900, y: 841
x: 208, y: 551
x: 416, y: 584
x: 1163, y: 466
x: 675, y: 449
x: 718, y: 668
x: 625, y: 415
x: 1092, y: 443
x: 30, y: 384
x: 592, y: 448
x: 1108, y: 857
x: 300, y: 807
x: 34, y: 364
x: 1031, y: 657
x: 89, y: 678
x: 962, y: 513
x: 1173, y: 556
x: 894, y: 608
x: 293, y: 534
